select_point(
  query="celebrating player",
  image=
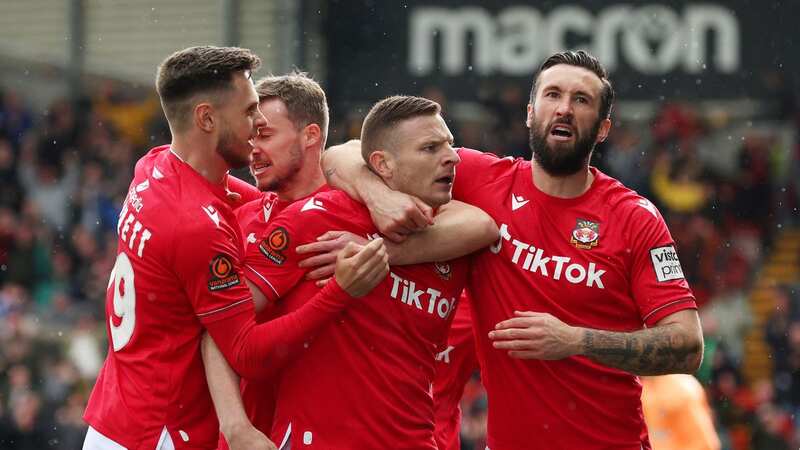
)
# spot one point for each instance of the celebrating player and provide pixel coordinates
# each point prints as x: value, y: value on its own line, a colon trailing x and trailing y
x: 364, y: 380
x: 584, y: 289
x: 178, y: 269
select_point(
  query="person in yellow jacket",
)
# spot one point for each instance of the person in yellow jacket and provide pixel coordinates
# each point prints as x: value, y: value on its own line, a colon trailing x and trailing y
x: 677, y: 413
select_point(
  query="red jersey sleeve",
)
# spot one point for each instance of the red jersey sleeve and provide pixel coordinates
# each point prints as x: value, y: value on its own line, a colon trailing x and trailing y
x: 271, y: 263
x: 209, y: 268
x: 657, y: 282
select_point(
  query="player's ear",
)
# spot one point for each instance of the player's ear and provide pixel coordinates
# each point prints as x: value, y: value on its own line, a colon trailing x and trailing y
x: 381, y: 163
x: 529, y: 116
x: 311, y: 135
x: 203, y: 115
x: 605, y: 128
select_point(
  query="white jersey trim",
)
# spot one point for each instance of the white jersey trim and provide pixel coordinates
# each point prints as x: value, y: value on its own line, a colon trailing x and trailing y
x: 685, y: 299
x: 97, y: 441
x: 223, y: 308
x: 264, y: 280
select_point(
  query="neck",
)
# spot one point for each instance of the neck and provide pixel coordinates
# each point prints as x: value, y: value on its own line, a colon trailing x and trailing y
x: 568, y: 186
x: 309, y: 179
x: 200, y: 155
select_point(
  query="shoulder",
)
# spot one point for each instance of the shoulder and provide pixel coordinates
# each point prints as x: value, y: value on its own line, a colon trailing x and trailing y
x: 326, y: 204
x: 625, y: 202
x: 485, y: 160
x: 250, y: 209
x: 477, y: 171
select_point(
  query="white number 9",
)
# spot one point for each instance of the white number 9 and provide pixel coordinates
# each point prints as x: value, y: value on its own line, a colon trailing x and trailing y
x: 124, y: 302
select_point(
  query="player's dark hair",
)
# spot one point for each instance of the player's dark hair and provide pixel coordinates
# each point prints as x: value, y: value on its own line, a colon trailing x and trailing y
x: 198, y: 70
x: 304, y: 98
x: 580, y: 59
x: 386, y: 114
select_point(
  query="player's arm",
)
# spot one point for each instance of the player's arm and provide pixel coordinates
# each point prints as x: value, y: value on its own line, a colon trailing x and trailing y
x: 252, y: 349
x: 458, y: 229
x: 223, y: 384
x: 673, y: 345
x: 396, y: 215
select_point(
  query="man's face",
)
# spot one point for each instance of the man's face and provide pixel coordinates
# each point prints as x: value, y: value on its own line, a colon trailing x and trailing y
x: 564, y: 119
x: 423, y: 161
x: 277, y: 154
x: 239, y: 120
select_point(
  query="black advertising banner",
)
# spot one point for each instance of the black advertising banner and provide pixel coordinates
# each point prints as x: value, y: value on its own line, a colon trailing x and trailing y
x: 679, y: 49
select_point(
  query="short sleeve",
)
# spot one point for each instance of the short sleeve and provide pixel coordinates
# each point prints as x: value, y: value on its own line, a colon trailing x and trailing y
x: 208, y: 263
x: 657, y: 283
x: 271, y: 263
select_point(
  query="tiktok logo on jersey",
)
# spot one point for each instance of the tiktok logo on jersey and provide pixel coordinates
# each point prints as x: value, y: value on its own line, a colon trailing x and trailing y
x: 429, y: 300
x: 534, y: 260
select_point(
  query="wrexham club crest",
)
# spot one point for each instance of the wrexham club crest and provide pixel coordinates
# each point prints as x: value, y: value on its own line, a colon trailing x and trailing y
x: 586, y: 234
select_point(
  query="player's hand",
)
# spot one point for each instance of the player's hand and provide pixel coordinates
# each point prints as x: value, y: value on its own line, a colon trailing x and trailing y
x: 360, y: 268
x: 534, y: 335
x: 396, y: 215
x: 247, y: 437
x: 233, y: 197
x: 327, y: 247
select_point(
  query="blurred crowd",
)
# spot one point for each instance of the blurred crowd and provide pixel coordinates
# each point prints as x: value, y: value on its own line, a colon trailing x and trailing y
x: 725, y: 186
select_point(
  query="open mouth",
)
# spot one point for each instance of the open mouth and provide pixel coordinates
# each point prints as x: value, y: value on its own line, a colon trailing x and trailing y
x: 561, y: 131
x: 259, y: 168
x: 448, y: 180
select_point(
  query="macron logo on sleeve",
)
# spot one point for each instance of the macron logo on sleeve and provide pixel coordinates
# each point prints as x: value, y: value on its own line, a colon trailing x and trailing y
x: 646, y: 204
x: 517, y: 202
x: 212, y: 214
x: 312, y: 203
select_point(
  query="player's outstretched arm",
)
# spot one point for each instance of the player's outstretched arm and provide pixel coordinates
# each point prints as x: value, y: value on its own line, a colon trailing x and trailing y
x: 396, y: 215
x: 255, y: 351
x: 223, y: 383
x: 673, y: 345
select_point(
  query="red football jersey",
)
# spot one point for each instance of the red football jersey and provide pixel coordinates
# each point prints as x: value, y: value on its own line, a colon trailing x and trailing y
x: 178, y: 269
x: 454, y: 367
x: 258, y: 396
x: 603, y: 260
x: 364, y: 381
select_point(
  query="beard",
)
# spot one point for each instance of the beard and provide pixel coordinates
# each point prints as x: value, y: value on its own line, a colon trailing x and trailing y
x: 281, y: 180
x: 561, y: 159
x: 228, y: 148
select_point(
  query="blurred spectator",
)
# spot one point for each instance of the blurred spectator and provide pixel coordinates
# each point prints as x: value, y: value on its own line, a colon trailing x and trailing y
x: 677, y: 185
x: 626, y: 158
x: 730, y: 310
x: 15, y: 119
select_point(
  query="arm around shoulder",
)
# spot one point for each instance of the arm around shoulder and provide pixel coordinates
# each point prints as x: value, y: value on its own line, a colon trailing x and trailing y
x: 458, y: 229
